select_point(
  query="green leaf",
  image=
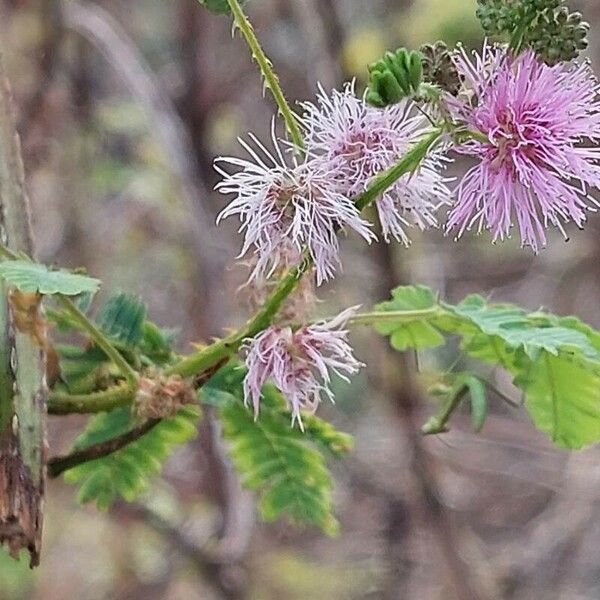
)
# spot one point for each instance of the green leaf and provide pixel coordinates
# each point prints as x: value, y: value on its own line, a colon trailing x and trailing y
x: 128, y: 472
x: 404, y: 334
x: 563, y: 399
x: 122, y: 317
x: 31, y: 277
x: 157, y: 343
x: 475, y: 315
x: 284, y: 464
x: 554, y: 360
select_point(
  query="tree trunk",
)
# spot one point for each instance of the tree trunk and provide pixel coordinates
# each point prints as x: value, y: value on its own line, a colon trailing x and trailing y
x: 22, y: 384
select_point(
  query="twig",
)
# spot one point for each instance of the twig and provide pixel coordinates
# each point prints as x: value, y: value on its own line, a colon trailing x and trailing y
x: 271, y: 79
x: 60, y: 464
x: 206, y: 359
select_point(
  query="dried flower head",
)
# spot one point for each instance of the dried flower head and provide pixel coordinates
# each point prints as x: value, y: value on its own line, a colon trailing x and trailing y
x: 357, y: 142
x: 286, y: 208
x: 161, y: 397
x: 299, y: 363
x: 533, y: 164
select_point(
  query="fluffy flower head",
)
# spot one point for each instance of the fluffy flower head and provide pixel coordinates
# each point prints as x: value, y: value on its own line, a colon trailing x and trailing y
x: 284, y: 208
x: 358, y: 142
x: 299, y: 362
x: 533, y: 166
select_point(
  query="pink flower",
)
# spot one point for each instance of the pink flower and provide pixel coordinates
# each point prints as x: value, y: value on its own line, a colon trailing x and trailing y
x: 286, y: 208
x: 299, y: 363
x: 358, y: 142
x: 532, y: 164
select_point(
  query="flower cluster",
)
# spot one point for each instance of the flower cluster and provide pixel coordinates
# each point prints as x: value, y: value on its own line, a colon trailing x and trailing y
x: 299, y: 363
x: 286, y: 206
x: 531, y: 127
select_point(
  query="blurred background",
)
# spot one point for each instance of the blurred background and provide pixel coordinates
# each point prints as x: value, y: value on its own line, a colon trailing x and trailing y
x: 122, y: 107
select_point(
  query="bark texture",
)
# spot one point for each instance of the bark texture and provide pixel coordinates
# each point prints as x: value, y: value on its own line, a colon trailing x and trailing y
x: 22, y: 385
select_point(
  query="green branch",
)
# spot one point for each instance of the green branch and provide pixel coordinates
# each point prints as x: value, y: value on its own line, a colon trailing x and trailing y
x: 371, y: 318
x: 99, y: 339
x: 61, y: 403
x: 271, y: 79
x: 407, y: 164
x: 199, y: 362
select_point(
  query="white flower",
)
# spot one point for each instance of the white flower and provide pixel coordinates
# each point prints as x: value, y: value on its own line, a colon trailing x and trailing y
x: 284, y: 209
x: 299, y: 363
x: 357, y: 142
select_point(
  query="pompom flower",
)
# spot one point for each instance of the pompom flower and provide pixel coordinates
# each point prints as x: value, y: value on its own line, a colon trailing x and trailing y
x: 533, y: 166
x: 299, y: 362
x: 357, y: 142
x: 286, y: 208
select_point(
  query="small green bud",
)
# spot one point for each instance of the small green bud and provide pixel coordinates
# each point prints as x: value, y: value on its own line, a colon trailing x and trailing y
x: 415, y: 71
x: 397, y: 75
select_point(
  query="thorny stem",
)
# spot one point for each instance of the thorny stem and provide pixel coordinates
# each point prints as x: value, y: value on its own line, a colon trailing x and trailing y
x: 204, y: 359
x: 407, y: 164
x: 271, y: 79
x: 196, y: 363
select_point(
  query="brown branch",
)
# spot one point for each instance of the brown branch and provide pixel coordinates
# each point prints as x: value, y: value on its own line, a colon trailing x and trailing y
x: 60, y: 464
x: 425, y: 501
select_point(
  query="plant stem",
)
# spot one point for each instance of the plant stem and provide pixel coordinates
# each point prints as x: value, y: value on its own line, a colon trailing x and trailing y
x: 199, y: 362
x: 408, y: 163
x: 439, y: 422
x: 271, y: 79
x: 61, y: 403
x: 371, y: 318
x: 99, y: 339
